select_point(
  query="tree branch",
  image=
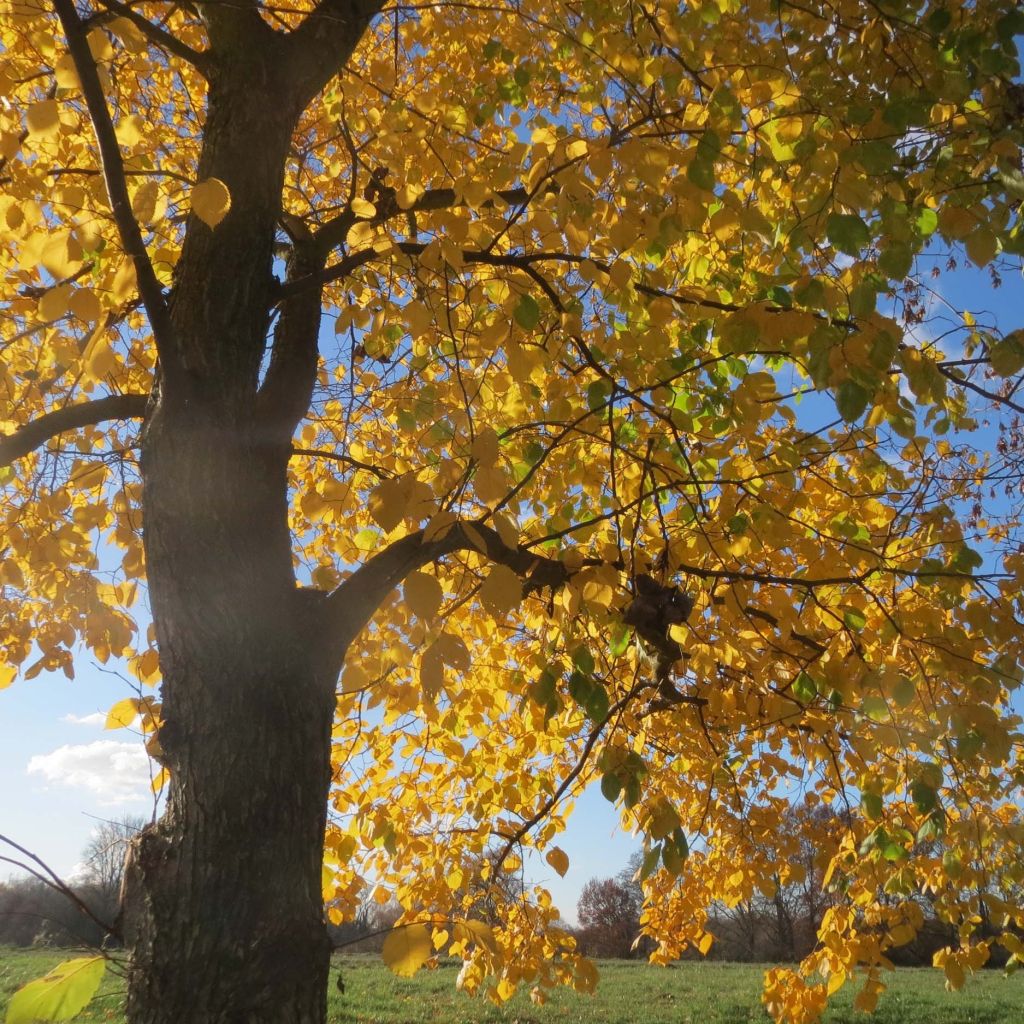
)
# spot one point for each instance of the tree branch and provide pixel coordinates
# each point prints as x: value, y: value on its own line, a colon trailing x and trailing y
x: 150, y: 289
x: 333, y: 233
x: 71, y: 417
x: 155, y: 34
x: 349, y: 607
x: 287, y: 388
x: 49, y: 877
x: 234, y: 27
x: 318, y: 49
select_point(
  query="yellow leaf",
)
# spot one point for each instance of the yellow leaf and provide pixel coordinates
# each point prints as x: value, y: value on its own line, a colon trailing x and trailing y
x: 423, y: 594
x: 361, y: 234
x: 122, y: 714
x: 98, y: 358
x: 705, y: 943
x: 836, y: 981
x: 439, y: 525
x: 85, y: 305
x: 506, y: 989
x: 485, y: 447
x: 130, y: 129
x: 8, y: 673
x: 42, y: 118
x: 432, y: 672
x: 558, y: 859
x: 407, y: 195
x: 955, y: 976
x: 388, y: 502
x: 363, y: 208
x: 407, y: 949
x: 478, y: 932
x: 54, y: 302
x: 65, y: 73
x: 60, y: 255
x: 586, y: 977
x: 507, y: 530
x: 866, y: 999
x: 148, y: 667
x: 59, y: 995
x: 501, y: 591
x: 211, y: 201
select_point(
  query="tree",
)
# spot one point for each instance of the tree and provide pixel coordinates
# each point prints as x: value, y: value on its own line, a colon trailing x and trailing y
x: 106, y: 851
x: 609, y: 916
x: 395, y: 344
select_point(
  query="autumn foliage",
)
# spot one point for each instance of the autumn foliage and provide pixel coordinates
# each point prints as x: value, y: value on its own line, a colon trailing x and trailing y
x: 386, y: 346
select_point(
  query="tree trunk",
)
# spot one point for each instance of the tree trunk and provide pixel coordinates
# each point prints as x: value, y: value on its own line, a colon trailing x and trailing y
x: 222, y: 906
x: 223, y: 913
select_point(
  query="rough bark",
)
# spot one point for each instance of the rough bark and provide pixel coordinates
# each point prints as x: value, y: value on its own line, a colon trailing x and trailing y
x: 222, y: 908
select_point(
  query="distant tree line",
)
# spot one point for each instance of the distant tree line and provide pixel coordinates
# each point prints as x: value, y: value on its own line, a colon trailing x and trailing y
x: 772, y: 927
x: 33, y: 912
x: 775, y: 927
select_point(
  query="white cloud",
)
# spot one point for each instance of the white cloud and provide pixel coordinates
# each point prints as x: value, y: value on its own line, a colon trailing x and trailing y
x: 97, y: 718
x: 114, y: 772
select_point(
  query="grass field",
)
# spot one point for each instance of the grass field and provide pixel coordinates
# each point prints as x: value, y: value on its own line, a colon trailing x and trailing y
x: 629, y: 993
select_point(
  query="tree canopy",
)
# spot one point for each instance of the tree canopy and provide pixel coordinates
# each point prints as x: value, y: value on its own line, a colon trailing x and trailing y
x: 539, y: 299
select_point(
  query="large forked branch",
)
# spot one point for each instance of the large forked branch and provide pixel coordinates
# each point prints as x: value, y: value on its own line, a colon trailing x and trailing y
x: 113, y: 175
x: 86, y: 414
x: 350, y: 606
x: 319, y: 47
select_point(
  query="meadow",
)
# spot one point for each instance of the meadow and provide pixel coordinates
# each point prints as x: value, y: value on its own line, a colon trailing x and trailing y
x: 688, y: 993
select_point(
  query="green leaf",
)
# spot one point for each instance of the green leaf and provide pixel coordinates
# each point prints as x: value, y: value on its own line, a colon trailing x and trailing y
x: 863, y: 299
x: 618, y: 642
x: 650, y: 862
x: 966, y: 560
x: 611, y: 786
x: 847, y: 232
x: 682, y: 844
x: 969, y: 743
x: 366, y: 540
x: 851, y: 400
x: 702, y: 174
x: 59, y: 995
x: 872, y: 804
x: 597, y: 704
x: 926, y: 222
x: 581, y: 688
x: 671, y: 858
x: 896, y: 260
x: 854, y: 619
x: 527, y: 313
x: 543, y: 691
x: 904, y: 692
x: 952, y: 864
x: 738, y: 524
x: 893, y: 851
x: 631, y: 791
x: 804, y: 688
x: 1007, y: 356
x: 876, y: 709
x: 583, y: 660
x: 597, y: 394
x: 924, y: 796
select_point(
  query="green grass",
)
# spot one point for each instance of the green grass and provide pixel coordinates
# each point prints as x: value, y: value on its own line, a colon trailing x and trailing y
x: 691, y: 993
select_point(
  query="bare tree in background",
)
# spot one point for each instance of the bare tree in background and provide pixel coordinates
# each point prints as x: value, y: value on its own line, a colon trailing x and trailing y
x: 105, y: 854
